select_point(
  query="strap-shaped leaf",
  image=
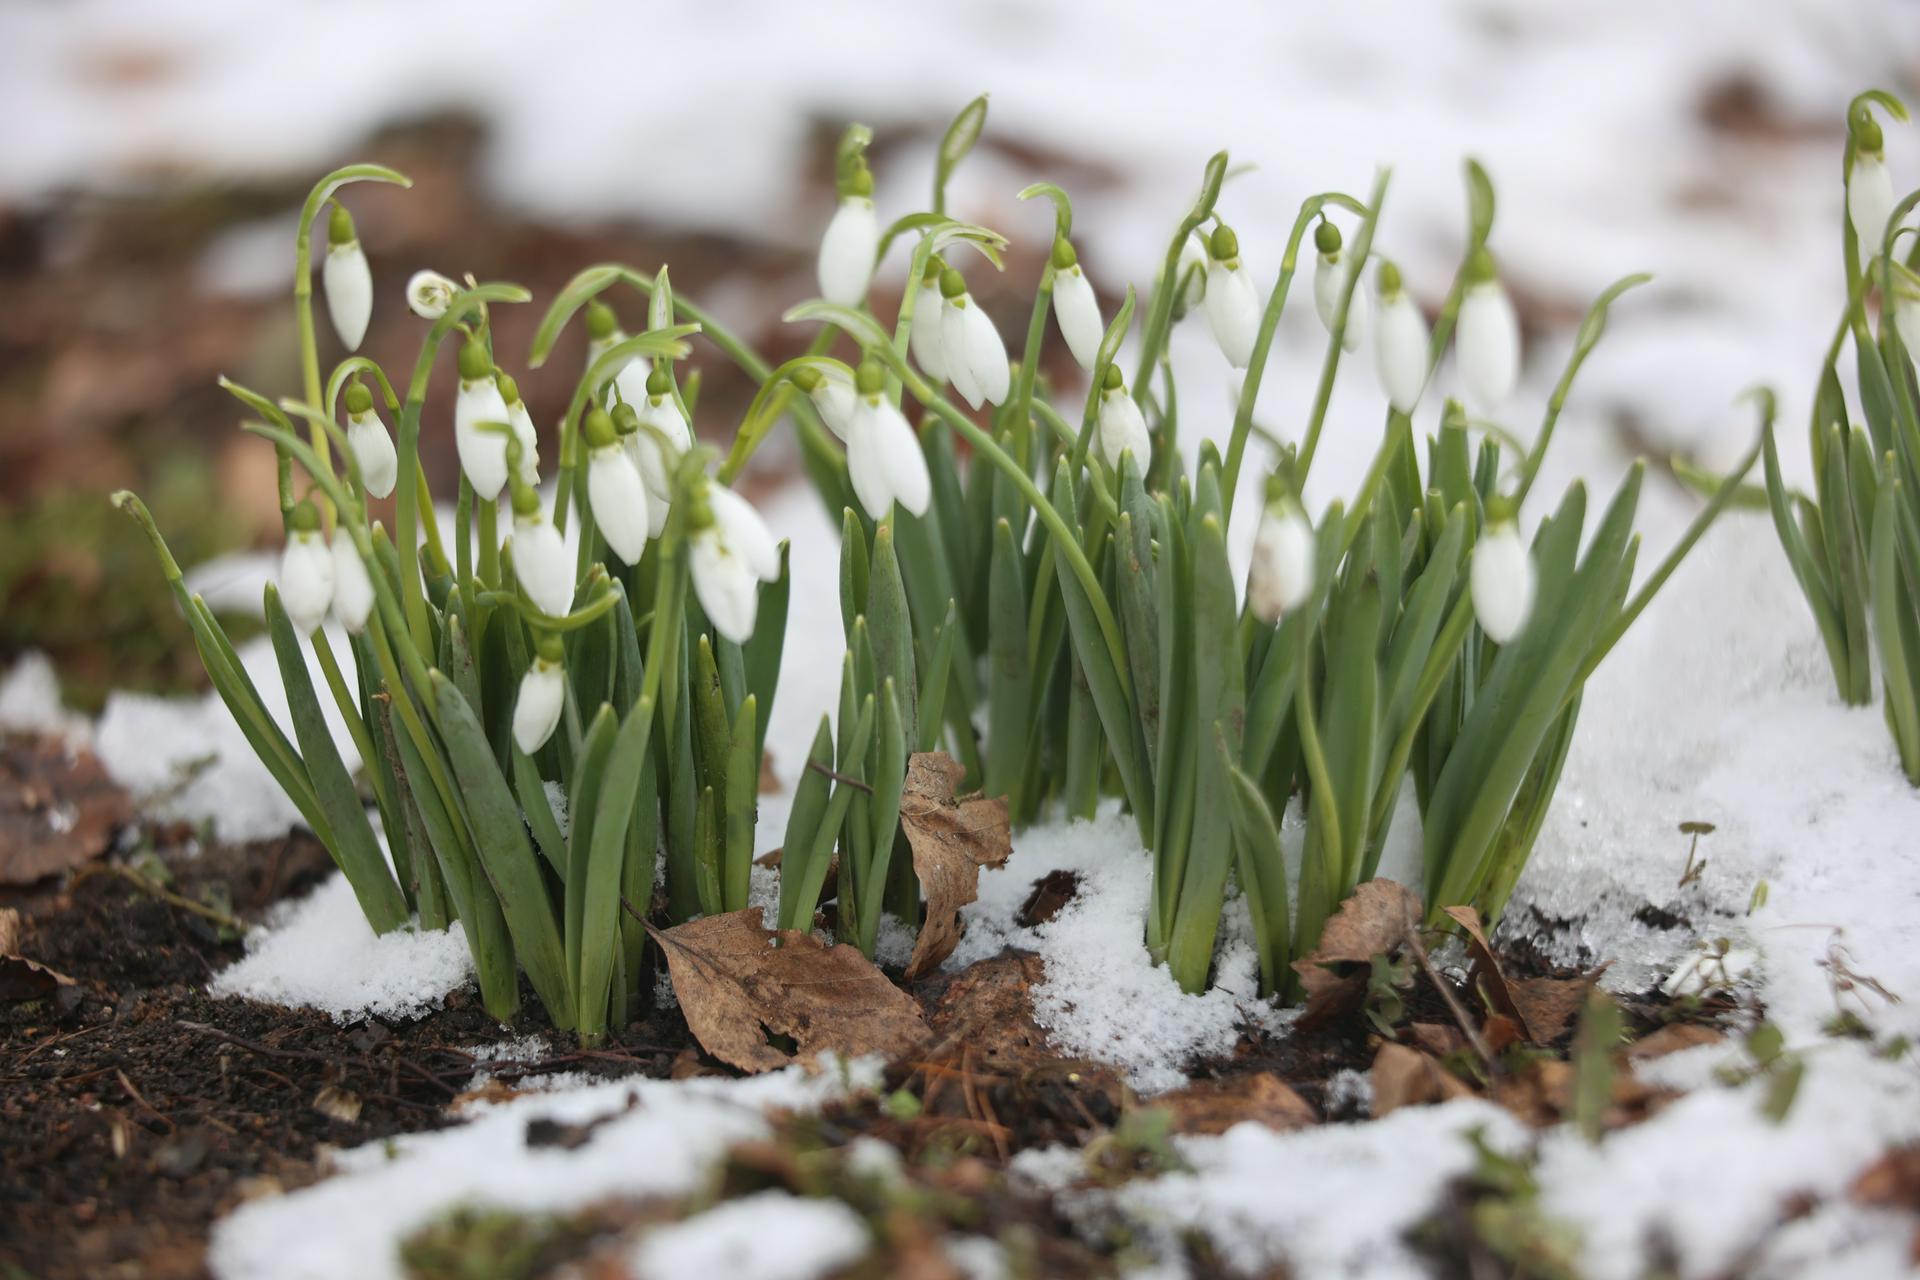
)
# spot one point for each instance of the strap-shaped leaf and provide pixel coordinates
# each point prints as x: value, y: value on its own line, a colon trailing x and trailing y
x: 1897, y: 629
x: 890, y: 628
x: 809, y: 809
x: 599, y: 920
x: 760, y: 656
x: 1262, y: 870
x: 743, y: 786
x: 935, y: 681
x: 1009, y: 677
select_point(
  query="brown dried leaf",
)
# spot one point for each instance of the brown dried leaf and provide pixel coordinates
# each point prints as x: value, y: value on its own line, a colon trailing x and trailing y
x: 740, y: 983
x: 1374, y: 921
x: 951, y: 840
x: 1437, y: 1038
x: 1891, y: 1182
x: 21, y: 978
x: 1404, y: 1077
x: 1542, y: 1008
x: 1672, y: 1039
x: 57, y: 810
x: 1215, y: 1106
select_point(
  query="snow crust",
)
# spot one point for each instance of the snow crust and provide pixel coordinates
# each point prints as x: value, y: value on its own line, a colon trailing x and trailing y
x: 771, y: 1235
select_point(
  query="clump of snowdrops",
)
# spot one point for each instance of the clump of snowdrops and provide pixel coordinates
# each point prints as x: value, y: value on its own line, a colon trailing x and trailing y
x: 1041, y: 590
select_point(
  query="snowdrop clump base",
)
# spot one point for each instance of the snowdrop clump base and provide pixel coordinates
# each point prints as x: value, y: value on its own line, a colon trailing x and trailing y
x: 1044, y: 595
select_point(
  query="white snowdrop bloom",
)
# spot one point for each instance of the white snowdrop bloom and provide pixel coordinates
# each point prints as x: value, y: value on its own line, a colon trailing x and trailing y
x: 976, y: 357
x: 729, y: 559
x: 883, y: 455
x: 925, y: 335
x: 661, y: 434
x: 1330, y: 271
x: 352, y: 588
x: 429, y: 294
x: 306, y: 571
x: 1711, y: 967
x: 1074, y: 307
x: 372, y: 446
x: 1192, y: 273
x: 848, y: 249
x: 1869, y: 200
x: 1121, y: 427
x: 1906, y: 322
x: 536, y: 709
x: 603, y: 334
x: 1283, y: 554
x: 523, y: 433
x: 348, y: 280
x: 831, y: 391
x: 1232, y: 303
x: 615, y: 491
x: 1503, y: 582
x: 1399, y: 342
x: 540, y: 558
x: 1488, y: 345
x: 483, y: 453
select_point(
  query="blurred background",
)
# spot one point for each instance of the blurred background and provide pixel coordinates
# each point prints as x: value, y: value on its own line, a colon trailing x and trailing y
x: 153, y: 157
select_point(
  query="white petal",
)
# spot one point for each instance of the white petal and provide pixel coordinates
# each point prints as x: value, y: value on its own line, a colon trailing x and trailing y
x: 1400, y: 350
x: 536, y: 709
x: 619, y: 501
x: 865, y: 466
x: 953, y: 346
x: 373, y: 449
x: 1283, y: 564
x: 905, y: 461
x: 306, y: 580
x: 349, y: 284
x: 1078, y: 312
x: 1488, y: 345
x: 833, y: 396
x: 986, y: 354
x: 522, y: 423
x: 1194, y: 283
x: 725, y: 588
x: 924, y: 338
x: 352, y: 588
x: 429, y: 293
x: 1122, y: 427
x: 1869, y: 202
x: 631, y: 382
x: 541, y: 562
x: 1329, y: 278
x: 483, y: 454
x: 1906, y: 321
x: 1503, y: 583
x: 1233, y: 312
x: 847, y: 252
x: 744, y: 532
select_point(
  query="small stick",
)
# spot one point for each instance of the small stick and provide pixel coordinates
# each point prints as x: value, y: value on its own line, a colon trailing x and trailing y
x: 838, y: 777
x: 1452, y: 1002
x: 144, y: 1105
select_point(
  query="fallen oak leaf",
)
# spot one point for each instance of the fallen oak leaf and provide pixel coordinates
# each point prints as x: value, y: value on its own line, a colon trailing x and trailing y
x: 740, y: 984
x: 1372, y: 922
x: 951, y: 840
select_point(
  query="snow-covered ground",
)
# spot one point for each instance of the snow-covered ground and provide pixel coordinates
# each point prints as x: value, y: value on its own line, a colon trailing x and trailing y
x: 1717, y: 708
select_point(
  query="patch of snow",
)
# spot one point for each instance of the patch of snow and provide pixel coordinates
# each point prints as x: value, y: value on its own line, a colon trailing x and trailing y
x: 320, y: 953
x: 770, y: 1235
x: 649, y: 1138
x: 30, y: 700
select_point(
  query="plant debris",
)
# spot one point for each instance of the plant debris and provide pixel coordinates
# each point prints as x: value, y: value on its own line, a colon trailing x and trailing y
x: 58, y: 809
x: 951, y: 840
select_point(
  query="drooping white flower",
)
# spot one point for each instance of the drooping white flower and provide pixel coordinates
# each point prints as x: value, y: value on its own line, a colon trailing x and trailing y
x: 1121, y: 427
x: 1233, y: 305
x: 483, y: 453
x: 348, y: 280
x: 975, y: 355
x: 1281, y: 576
x: 1074, y: 307
x: 925, y: 337
x: 352, y: 588
x: 540, y: 557
x: 1503, y: 581
x: 883, y: 455
x: 729, y: 559
x: 306, y: 571
x: 1869, y: 200
x: 831, y: 391
x: 372, y: 446
x: 523, y: 433
x: 536, y: 709
x: 603, y: 334
x: 1330, y: 273
x: 1399, y: 342
x: 848, y: 249
x: 1488, y: 346
x: 1191, y: 274
x: 615, y: 491
x: 429, y: 294
x: 661, y: 434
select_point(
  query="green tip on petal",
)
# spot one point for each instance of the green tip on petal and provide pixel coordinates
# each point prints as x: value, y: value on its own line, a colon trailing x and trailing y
x: 359, y: 399
x: 1223, y: 244
x: 1064, y: 257
x: 952, y: 283
x: 509, y: 389
x: 601, y: 322
x: 1389, y: 280
x: 598, y: 428
x: 304, y: 518
x: 1326, y: 238
x: 339, y: 226
x: 1111, y: 379
x: 475, y: 363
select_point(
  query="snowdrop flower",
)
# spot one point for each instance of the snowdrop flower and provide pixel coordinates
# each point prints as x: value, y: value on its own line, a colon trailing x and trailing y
x: 1869, y: 185
x: 976, y: 357
x: 306, y: 570
x: 924, y: 336
x: 1906, y: 319
x: 1074, y: 306
x: 603, y: 334
x: 656, y: 434
x: 540, y: 558
x: 483, y: 450
x: 348, y: 280
x: 883, y: 454
x: 1711, y: 966
x: 1330, y: 281
x: 852, y: 242
x: 732, y: 554
x: 1191, y: 275
x: 352, y: 588
x: 614, y: 488
x: 1488, y: 346
x: 523, y: 433
x: 1399, y: 342
x: 1503, y: 581
x: 1121, y: 426
x: 543, y: 692
x: 1283, y: 554
x: 429, y: 294
x: 831, y: 391
x: 372, y: 446
x: 1233, y: 307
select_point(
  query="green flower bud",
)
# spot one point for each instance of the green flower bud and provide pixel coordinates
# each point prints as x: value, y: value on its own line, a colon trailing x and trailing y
x: 601, y: 322
x: 1480, y: 266
x: 525, y: 501
x: 935, y: 269
x: 952, y: 283
x: 340, y: 226
x: 1326, y: 238
x: 475, y: 363
x: 806, y: 378
x: 1063, y: 255
x: 1224, y: 245
x: 859, y: 182
x: 598, y: 428
x: 359, y: 399
x: 626, y: 419
x: 550, y: 645
x: 304, y: 518
x: 509, y: 389
x: 659, y: 380
x: 1867, y: 137
x: 1111, y: 380
x: 1389, y: 278
x: 871, y: 378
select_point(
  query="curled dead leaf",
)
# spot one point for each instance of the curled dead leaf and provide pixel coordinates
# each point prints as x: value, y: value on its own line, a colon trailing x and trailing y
x: 952, y: 838
x: 1373, y: 922
x: 1215, y: 1106
x: 1404, y: 1077
x: 1540, y: 1008
x: 58, y: 809
x: 742, y: 985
